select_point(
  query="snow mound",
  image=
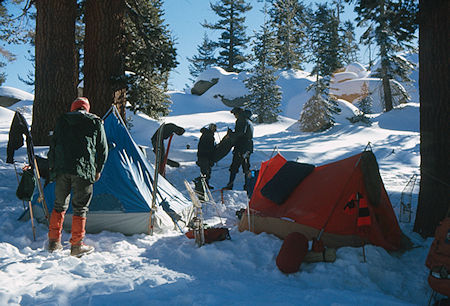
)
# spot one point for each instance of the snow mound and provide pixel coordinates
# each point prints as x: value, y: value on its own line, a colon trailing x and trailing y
x: 358, y: 69
x: 230, y: 85
x: 16, y: 93
x: 348, y: 110
x: 344, y: 76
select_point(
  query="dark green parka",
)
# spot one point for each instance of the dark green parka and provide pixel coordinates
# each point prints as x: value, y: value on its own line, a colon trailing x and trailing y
x: 243, y: 133
x: 78, y: 146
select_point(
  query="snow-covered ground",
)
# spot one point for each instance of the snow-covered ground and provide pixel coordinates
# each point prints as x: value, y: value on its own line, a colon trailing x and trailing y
x: 169, y: 269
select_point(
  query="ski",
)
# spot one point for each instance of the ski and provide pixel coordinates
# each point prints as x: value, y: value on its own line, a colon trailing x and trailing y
x: 197, y: 220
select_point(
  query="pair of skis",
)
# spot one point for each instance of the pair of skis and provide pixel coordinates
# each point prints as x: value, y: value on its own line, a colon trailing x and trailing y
x: 158, y: 152
x: 197, y: 220
x: 20, y: 119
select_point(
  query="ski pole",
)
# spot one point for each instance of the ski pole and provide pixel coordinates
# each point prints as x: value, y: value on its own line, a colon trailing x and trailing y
x: 41, y: 191
x: 32, y: 221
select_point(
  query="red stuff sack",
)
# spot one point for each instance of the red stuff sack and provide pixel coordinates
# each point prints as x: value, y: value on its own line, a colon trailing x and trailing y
x: 212, y: 234
x: 292, y: 252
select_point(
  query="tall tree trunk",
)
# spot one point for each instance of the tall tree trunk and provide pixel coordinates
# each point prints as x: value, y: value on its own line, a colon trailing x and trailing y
x: 104, y: 73
x: 434, y: 194
x: 387, y: 93
x: 56, y: 72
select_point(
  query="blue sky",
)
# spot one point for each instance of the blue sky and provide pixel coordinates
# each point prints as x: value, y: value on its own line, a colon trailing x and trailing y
x: 184, y: 18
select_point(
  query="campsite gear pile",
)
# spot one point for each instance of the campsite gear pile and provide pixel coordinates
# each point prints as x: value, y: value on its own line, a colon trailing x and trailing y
x: 199, y: 231
x: 438, y: 260
x: 31, y: 175
x: 197, y: 222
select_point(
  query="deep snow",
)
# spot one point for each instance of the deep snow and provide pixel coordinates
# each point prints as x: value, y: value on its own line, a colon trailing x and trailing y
x: 170, y: 269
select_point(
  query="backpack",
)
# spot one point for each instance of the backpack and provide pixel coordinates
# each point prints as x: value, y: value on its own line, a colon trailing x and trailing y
x: 26, y: 186
x: 438, y: 259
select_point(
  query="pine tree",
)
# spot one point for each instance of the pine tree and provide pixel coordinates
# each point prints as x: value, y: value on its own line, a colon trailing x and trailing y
x: 11, y: 31
x: 349, y: 46
x: 327, y: 56
x: 233, y: 39
x: 4, y: 22
x: 326, y: 42
x: 264, y: 99
x: 289, y: 19
x: 392, y: 25
x: 364, y: 105
x: 314, y: 116
x: 150, y: 57
x: 204, y: 59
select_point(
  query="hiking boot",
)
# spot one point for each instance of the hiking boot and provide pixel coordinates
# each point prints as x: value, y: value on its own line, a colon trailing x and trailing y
x: 81, y: 249
x: 54, y: 246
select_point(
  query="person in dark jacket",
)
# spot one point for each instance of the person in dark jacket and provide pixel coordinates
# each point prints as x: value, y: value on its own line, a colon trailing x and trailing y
x: 243, y: 144
x: 205, y: 151
x: 77, y: 155
x: 168, y: 130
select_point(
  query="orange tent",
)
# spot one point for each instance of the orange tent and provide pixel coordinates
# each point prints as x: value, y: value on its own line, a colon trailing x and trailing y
x: 345, y: 201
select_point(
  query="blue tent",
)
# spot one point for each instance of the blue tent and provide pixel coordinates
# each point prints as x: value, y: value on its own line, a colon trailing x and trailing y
x: 123, y: 196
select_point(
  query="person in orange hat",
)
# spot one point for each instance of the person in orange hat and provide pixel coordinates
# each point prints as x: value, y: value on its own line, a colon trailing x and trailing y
x: 77, y: 155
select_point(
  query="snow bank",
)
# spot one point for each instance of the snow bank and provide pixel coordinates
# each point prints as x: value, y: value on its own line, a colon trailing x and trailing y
x: 11, y: 92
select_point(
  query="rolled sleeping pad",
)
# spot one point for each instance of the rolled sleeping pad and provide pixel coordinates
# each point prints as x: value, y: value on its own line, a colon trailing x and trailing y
x: 223, y: 148
x: 292, y: 252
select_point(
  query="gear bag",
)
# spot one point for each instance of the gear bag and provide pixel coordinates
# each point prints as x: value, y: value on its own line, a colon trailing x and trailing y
x: 438, y: 259
x: 26, y: 186
x: 212, y: 234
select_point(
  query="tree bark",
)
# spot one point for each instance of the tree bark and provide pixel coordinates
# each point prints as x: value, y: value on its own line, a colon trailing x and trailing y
x: 55, y: 72
x: 104, y: 83
x: 387, y: 93
x: 434, y: 194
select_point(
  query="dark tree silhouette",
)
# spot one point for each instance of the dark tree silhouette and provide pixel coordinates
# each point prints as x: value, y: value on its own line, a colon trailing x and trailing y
x: 434, y: 194
x: 104, y: 72
x: 56, y: 73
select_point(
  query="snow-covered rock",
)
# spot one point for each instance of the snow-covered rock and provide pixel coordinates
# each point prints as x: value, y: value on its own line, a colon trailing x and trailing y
x: 10, y: 95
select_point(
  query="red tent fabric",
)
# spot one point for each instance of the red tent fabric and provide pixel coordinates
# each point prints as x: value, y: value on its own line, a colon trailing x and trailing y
x: 346, y: 199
